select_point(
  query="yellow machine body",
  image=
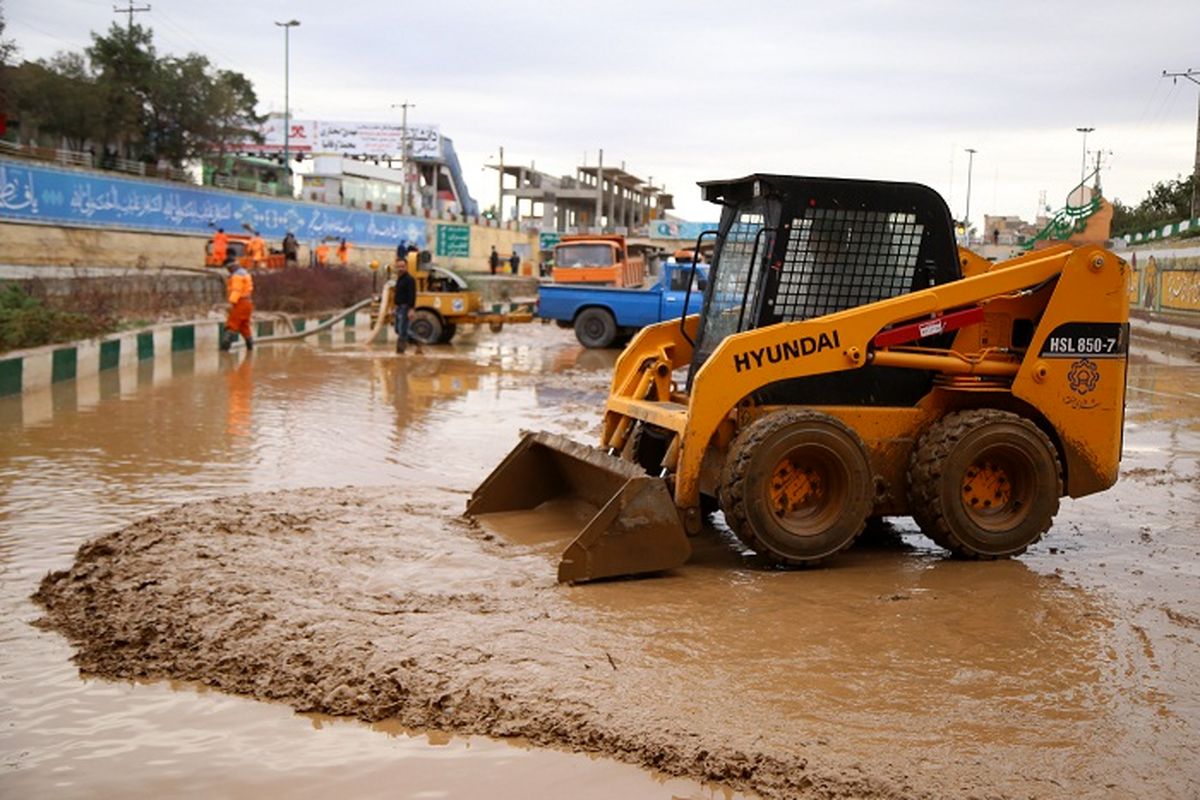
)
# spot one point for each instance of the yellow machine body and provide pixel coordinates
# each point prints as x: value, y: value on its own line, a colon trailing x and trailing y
x: 1025, y: 363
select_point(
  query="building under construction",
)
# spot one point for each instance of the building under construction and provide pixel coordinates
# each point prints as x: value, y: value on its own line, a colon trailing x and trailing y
x: 596, y: 198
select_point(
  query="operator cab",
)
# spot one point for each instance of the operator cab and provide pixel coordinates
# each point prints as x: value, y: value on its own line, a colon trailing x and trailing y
x: 794, y: 248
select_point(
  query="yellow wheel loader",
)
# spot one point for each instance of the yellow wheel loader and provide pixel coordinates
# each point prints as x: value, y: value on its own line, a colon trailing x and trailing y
x: 849, y: 361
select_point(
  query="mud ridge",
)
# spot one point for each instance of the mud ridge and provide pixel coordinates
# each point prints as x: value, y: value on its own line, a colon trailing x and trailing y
x: 345, y: 602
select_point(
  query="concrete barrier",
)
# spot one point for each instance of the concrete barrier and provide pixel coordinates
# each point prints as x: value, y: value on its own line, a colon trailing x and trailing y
x: 23, y: 371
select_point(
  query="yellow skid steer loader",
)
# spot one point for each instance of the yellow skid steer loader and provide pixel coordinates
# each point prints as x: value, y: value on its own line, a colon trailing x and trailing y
x: 849, y: 361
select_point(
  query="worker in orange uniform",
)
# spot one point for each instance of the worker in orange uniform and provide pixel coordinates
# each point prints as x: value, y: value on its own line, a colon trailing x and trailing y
x: 343, y: 253
x: 238, y: 289
x: 323, y: 254
x: 220, y: 247
x: 257, y: 250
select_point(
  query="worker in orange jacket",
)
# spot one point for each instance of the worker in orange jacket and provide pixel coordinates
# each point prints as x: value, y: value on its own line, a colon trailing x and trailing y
x: 343, y: 253
x: 323, y: 254
x: 257, y: 250
x: 220, y: 247
x: 238, y: 289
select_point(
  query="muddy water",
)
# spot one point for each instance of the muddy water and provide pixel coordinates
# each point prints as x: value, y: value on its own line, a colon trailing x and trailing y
x: 90, y: 457
x: 894, y: 672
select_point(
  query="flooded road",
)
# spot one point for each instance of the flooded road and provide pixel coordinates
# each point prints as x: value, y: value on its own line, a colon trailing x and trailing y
x: 893, y: 672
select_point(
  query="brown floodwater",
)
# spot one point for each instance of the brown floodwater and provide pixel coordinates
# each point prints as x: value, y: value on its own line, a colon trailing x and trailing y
x: 1069, y: 672
x: 91, y: 456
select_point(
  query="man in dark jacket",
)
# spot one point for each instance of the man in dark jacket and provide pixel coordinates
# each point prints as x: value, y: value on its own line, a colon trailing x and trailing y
x: 494, y: 260
x: 404, y: 298
x: 291, y: 249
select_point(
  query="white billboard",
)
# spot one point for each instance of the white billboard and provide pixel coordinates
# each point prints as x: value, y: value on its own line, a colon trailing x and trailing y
x: 302, y: 133
x: 377, y: 139
x: 374, y: 139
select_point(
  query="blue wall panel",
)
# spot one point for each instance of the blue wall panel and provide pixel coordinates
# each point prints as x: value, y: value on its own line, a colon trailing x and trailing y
x: 36, y: 193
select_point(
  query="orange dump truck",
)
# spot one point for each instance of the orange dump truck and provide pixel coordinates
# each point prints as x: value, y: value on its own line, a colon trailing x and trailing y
x: 602, y: 259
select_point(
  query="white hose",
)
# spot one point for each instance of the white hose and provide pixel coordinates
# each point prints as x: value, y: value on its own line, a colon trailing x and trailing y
x: 385, y: 305
x: 283, y: 337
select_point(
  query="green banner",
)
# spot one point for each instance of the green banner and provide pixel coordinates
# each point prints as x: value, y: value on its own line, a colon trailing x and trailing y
x: 546, y: 241
x: 453, y: 240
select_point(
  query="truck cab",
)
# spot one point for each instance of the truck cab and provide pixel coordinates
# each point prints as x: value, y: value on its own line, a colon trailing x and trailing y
x: 604, y: 315
x: 600, y: 259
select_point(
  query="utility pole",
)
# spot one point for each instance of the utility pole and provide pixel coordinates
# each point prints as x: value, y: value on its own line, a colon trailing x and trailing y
x: 1083, y: 163
x: 971, y: 151
x: 131, y: 9
x: 599, y: 191
x: 287, y: 121
x: 500, y: 191
x: 404, y: 107
x: 1192, y: 75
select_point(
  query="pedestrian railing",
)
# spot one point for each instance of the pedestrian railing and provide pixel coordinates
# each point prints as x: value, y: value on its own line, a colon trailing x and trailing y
x: 88, y: 159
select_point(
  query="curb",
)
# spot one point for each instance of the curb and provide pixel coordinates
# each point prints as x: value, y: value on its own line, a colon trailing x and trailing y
x: 37, y: 368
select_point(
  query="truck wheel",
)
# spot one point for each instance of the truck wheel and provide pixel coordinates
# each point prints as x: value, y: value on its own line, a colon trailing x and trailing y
x: 425, y: 327
x: 797, y: 486
x: 448, y: 331
x: 594, y: 327
x: 985, y: 483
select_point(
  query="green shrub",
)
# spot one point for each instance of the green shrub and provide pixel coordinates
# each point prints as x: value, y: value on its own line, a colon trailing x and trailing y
x: 26, y: 322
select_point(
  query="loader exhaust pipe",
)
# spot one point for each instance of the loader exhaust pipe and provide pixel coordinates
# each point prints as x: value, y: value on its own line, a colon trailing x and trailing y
x: 633, y: 528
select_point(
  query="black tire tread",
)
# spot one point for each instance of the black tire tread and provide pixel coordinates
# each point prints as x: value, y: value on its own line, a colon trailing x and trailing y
x: 733, y: 496
x: 925, y: 472
x: 610, y: 335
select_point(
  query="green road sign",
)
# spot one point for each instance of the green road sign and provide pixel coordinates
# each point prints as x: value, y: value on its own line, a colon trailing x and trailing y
x: 453, y: 240
x: 546, y: 241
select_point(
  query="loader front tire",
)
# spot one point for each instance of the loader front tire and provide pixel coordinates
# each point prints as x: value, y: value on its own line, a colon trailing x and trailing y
x: 425, y: 327
x: 797, y: 486
x: 985, y: 483
x: 595, y: 327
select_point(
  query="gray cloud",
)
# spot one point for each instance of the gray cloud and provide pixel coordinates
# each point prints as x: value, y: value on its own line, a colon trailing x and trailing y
x: 691, y: 91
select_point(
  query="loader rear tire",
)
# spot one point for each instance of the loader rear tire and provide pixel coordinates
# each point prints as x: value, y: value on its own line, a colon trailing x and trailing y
x: 448, y: 331
x: 797, y: 486
x: 425, y: 327
x: 595, y: 327
x: 984, y: 484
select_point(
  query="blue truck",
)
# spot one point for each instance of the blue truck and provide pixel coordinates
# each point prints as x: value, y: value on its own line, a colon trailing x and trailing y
x: 603, y: 316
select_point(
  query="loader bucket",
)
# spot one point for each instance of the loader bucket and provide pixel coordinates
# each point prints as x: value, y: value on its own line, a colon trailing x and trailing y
x: 633, y: 525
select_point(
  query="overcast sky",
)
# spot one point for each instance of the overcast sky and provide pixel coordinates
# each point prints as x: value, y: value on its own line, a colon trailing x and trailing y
x: 689, y: 91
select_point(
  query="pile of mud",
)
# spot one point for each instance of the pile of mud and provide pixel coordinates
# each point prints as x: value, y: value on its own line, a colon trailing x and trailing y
x: 355, y: 603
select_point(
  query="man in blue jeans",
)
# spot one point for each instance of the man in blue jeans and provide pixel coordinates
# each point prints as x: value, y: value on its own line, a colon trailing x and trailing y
x: 404, y: 298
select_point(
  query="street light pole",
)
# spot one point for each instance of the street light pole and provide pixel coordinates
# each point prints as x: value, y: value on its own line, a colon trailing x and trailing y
x: 1083, y: 163
x: 971, y: 151
x: 287, y: 122
x: 404, y: 107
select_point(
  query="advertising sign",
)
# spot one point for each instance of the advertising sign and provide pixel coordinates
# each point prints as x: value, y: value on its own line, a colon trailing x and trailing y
x: 300, y: 136
x: 377, y: 139
x: 662, y: 229
x: 70, y: 197
x: 453, y: 240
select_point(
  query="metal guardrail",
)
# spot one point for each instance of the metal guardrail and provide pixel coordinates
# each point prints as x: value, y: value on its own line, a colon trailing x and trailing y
x: 241, y: 184
x: 78, y: 158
